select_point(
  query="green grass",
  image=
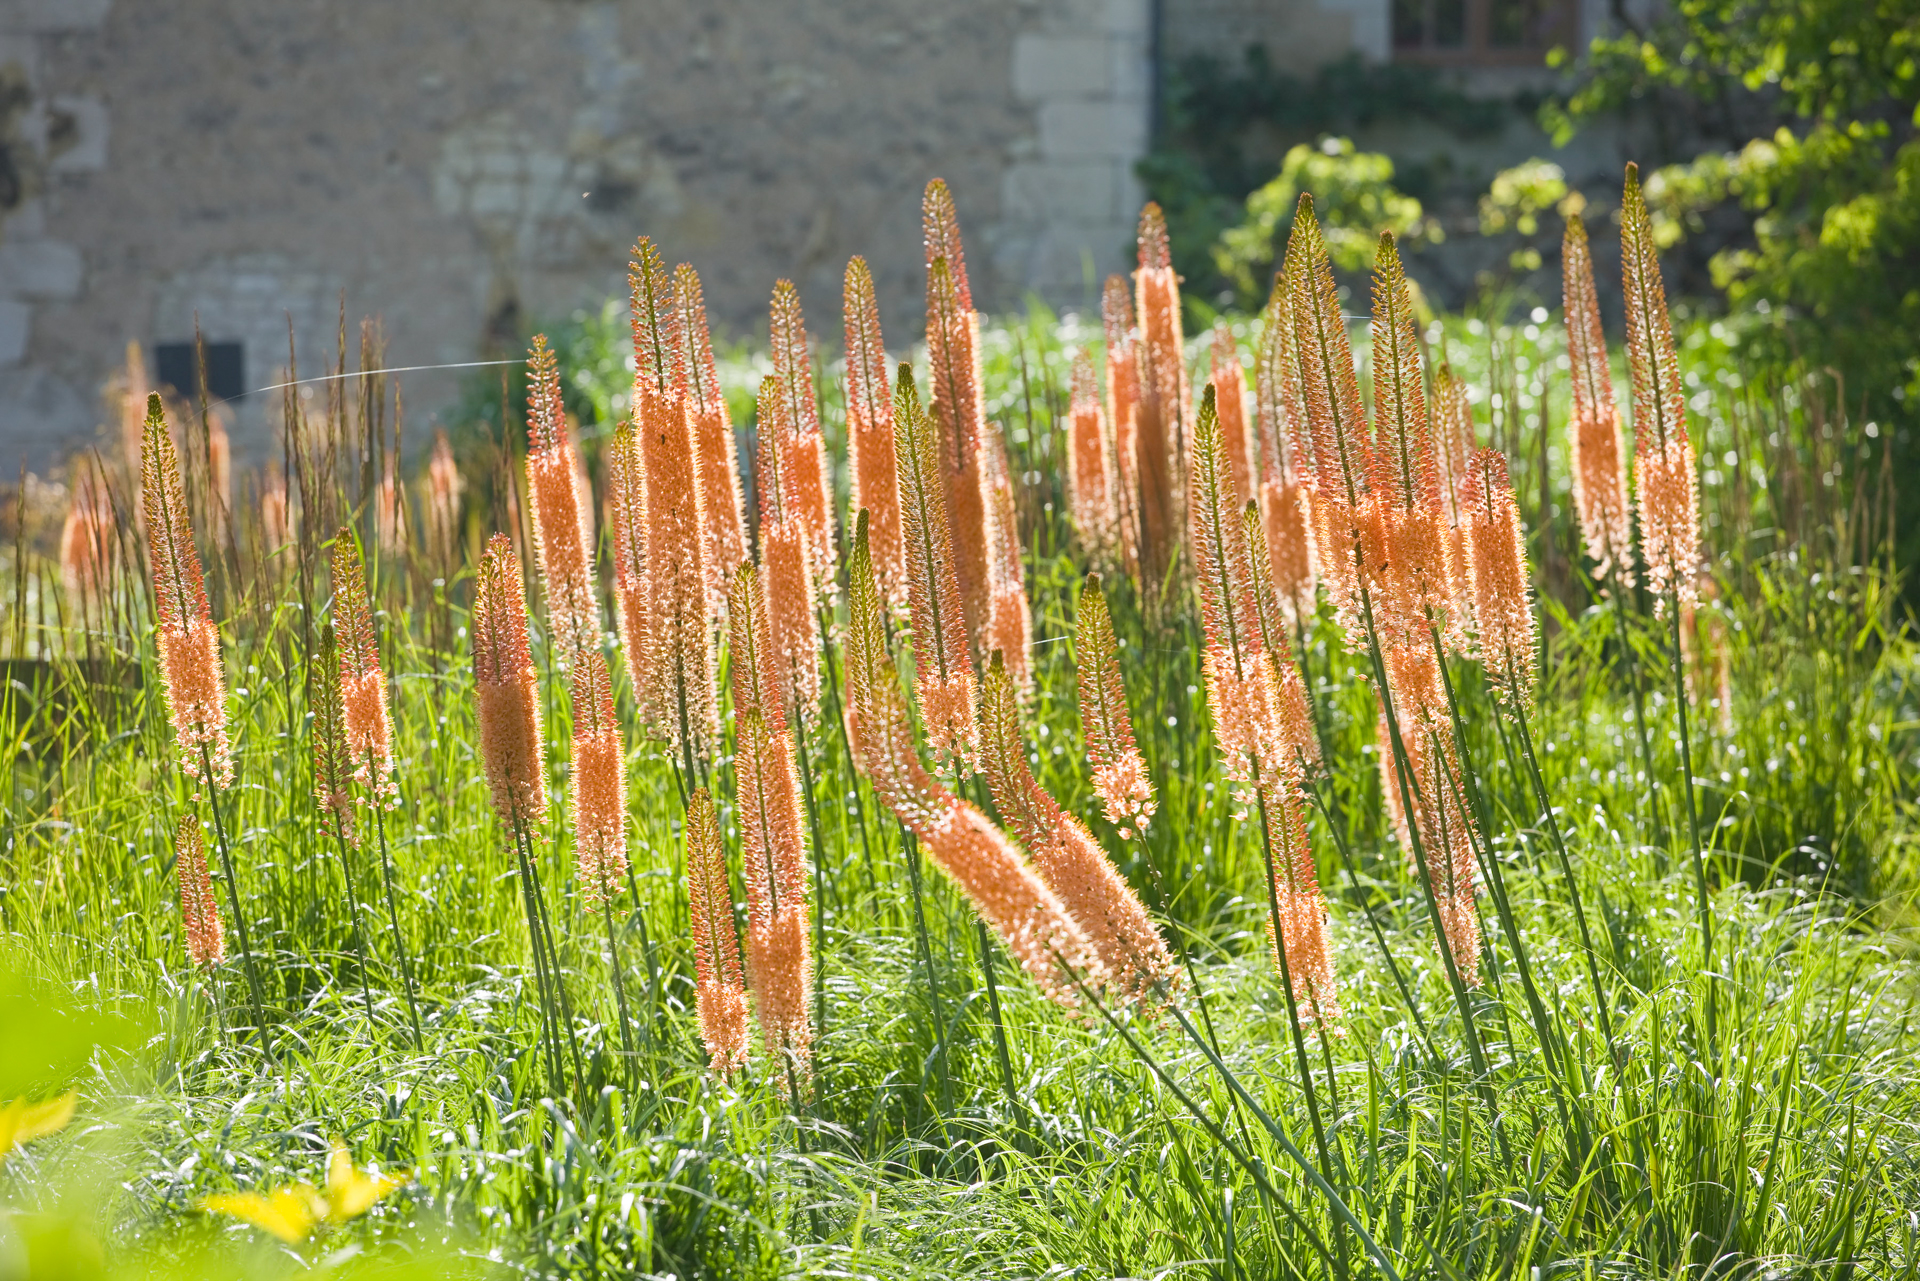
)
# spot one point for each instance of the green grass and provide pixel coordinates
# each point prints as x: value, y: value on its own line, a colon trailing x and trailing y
x: 1788, y: 1145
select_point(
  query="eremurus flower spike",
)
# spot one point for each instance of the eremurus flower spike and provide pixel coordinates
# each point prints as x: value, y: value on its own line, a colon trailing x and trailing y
x: 793, y: 628
x: 659, y: 355
x: 627, y: 491
x: 1502, y: 595
x: 1090, y: 478
x: 599, y: 784
x: 943, y: 667
x: 561, y: 505
x: 1065, y: 854
x: 365, y: 720
x: 199, y: 910
x: 676, y: 672
x: 1123, y: 415
x: 1229, y: 381
x: 444, y: 487
x: 1285, y: 489
x: 1598, y: 463
x: 954, y: 403
x: 190, y: 671
x: 803, y: 463
x: 1009, y: 622
x: 774, y: 866
x: 871, y: 454
x: 1029, y: 918
x: 720, y: 995
x: 1161, y: 424
x: 1120, y: 777
x: 713, y: 435
x: 1663, y: 458
x: 332, y: 766
x: 505, y: 688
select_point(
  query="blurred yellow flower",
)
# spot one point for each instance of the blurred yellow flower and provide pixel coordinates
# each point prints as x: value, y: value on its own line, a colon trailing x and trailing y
x: 21, y: 1121
x: 294, y: 1211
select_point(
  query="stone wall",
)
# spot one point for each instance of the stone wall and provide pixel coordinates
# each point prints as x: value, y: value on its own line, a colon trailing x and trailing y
x: 460, y: 167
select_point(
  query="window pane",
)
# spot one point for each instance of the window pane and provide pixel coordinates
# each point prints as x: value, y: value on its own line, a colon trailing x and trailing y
x: 1450, y: 24
x: 1529, y: 24
x: 1409, y: 24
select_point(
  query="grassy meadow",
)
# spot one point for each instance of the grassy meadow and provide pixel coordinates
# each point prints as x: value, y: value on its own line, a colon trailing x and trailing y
x: 1605, y: 1102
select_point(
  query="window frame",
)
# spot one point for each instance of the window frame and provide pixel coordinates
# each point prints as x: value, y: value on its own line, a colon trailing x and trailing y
x: 1477, y: 51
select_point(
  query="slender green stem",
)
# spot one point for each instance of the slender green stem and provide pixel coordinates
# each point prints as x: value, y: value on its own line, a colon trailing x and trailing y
x: 353, y: 912
x: 393, y: 917
x: 233, y: 898
x: 819, y: 884
x: 1000, y: 1031
x: 912, y: 851
x: 1704, y: 903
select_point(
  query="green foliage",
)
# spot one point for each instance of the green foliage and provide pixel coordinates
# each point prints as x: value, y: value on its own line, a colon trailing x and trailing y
x: 1830, y: 188
x: 1221, y: 122
x: 1354, y: 198
x: 1515, y: 201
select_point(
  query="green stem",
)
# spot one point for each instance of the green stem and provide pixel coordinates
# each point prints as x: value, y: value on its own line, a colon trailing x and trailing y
x: 353, y: 911
x: 1704, y: 904
x: 393, y: 917
x: 233, y: 898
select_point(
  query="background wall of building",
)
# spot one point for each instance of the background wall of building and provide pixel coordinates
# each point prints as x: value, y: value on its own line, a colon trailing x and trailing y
x: 460, y: 167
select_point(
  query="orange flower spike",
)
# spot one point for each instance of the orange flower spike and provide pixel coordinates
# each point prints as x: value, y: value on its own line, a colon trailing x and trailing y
x: 505, y: 687
x: 363, y: 685
x: 1669, y: 501
x: 562, y: 545
x: 1286, y: 447
x: 753, y: 677
x: 720, y: 995
x: 1009, y: 626
x: 1123, y: 412
x: 1160, y: 421
x: 1598, y: 461
x: 1221, y: 559
x: 1300, y: 926
x: 332, y: 764
x: 1120, y: 777
x: 599, y: 784
x: 678, y: 669
x: 1230, y: 402
x: 1010, y: 897
x: 1298, y: 738
x: 87, y: 545
x: 627, y: 489
x: 713, y: 435
x: 1090, y: 464
x: 793, y: 627
x: 774, y: 861
x: 804, y: 471
x: 444, y: 487
x: 943, y: 667
x: 1503, y: 596
x: 199, y: 911
x: 1065, y: 854
x: 190, y: 669
x: 871, y: 452
x: 659, y: 352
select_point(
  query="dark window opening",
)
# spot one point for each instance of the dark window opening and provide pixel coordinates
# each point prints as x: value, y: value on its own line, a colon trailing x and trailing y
x: 1482, y: 32
x: 177, y: 366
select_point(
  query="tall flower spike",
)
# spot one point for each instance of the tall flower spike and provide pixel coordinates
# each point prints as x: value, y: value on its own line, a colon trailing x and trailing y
x: 1161, y: 425
x: 1064, y: 852
x: 1662, y: 451
x: 199, y: 910
x: 870, y: 444
x: 1335, y: 421
x: 1286, y: 448
x: 444, y: 487
x: 804, y: 469
x: 332, y: 765
x: 1120, y: 777
x: 390, y: 513
x: 1503, y: 598
x: 1229, y: 381
x: 190, y: 669
x: 1414, y: 591
x: 627, y: 486
x: 1010, y: 624
x: 562, y: 545
x: 1031, y: 921
x: 363, y: 685
x: 599, y: 784
x: 720, y: 996
x: 713, y: 436
x: 954, y: 410
x: 87, y: 544
x: 793, y: 627
x: 1090, y: 465
x: 943, y: 668
x: 659, y: 354
x: 508, y: 703
x: 1599, y: 465
x: 1453, y: 429
x: 1123, y: 415
x: 1294, y: 719
x: 676, y: 679
x: 774, y: 866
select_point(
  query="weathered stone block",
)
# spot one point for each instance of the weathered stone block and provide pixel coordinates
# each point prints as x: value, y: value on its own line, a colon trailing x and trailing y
x: 16, y: 320
x: 1088, y: 129
x: 1047, y: 67
x: 39, y: 269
